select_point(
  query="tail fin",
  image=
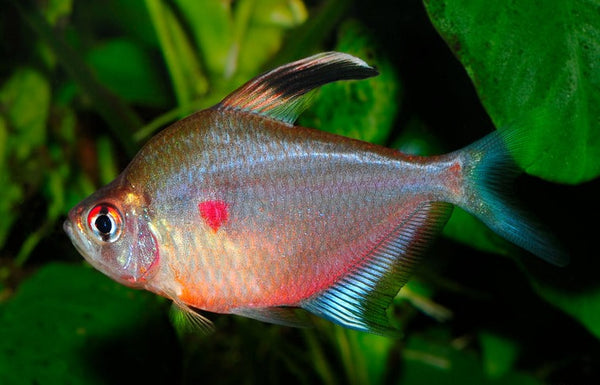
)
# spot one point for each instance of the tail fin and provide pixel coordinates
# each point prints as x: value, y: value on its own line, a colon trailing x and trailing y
x: 489, y: 172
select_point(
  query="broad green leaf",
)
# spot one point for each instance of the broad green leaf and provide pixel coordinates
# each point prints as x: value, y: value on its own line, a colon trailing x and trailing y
x: 211, y: 23
x: 363, y: 109
x: 70, y: 323
x: 262, y: 36
x: 128, y: 70
x: 534, y: 58
x: 237, y: 39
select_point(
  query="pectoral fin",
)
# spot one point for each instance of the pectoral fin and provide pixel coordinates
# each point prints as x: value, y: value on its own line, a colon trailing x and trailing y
x: 187, y: 319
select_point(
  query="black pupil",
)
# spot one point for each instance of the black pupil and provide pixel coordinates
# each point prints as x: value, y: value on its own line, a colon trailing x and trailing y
x: 103, y: 224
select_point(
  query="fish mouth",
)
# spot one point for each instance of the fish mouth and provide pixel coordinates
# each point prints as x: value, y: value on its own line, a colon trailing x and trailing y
x: 76, y: 240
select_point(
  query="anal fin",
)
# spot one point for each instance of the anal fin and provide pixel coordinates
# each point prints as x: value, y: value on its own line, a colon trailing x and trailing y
x: 359, y: 300
x: 286, y: 316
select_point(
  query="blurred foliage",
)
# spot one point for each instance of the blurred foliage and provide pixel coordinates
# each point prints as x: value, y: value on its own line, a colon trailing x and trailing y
x: 84, y: 84
x: 44, y: 338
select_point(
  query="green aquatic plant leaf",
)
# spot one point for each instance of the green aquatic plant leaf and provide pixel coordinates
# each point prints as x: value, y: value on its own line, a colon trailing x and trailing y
x: 431, y: 360
x: 71, y: 322
x: 583, y: 306
x: 24, y: 109
x: 25, y: 101
x: 499, y: 354
x: 236, y: 39
x: 187, y: 74
x: 211, y: 24
x: 308, y: 38
x: 54, y: 10
x: 129, y: 70
x: 534, y: 58
x: 260, y: 28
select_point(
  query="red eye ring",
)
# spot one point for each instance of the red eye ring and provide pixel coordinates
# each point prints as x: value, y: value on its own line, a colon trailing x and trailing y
x: 105, y: 222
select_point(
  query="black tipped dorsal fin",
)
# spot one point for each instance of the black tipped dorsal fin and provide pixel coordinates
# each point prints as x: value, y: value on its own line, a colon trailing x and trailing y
x: 281, y: 93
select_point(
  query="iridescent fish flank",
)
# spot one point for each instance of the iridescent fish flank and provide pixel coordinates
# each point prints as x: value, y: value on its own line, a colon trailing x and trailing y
x: 236, y: 210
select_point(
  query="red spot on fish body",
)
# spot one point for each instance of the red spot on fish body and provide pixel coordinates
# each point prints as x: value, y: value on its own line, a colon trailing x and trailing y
x: 455, y: 168
x: 214, y: 213
x: 455, y: 178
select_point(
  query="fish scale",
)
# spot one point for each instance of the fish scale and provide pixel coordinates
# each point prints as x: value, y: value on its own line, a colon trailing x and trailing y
x: 235, y: 210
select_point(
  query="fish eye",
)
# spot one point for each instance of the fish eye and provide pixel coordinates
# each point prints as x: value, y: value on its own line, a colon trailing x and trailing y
x: 105, y: 222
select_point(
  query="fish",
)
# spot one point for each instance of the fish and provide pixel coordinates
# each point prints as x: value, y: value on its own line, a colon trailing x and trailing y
x: 237, y: 210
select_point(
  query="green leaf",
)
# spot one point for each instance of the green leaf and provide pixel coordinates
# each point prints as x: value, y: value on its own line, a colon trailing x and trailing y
x: 25, y: 101
x: 71, y: 322
x: 12, y: 192
x: 128, y: 70
x: 430, y: 361
x: 120, y: 118
x: 311, y: 36
x: 187, y: 75
x: 236, y: 40
x: 364, y: 109
x: 499, y: 354
x: 211, y: 22
x: 363, y: 355
x: 24, y: 106
x: 260, y: 37
x: 584, y: 306
x: 416, y: 139
x: 108, y: 159
x: 56, y: 9
x: 534, y: 58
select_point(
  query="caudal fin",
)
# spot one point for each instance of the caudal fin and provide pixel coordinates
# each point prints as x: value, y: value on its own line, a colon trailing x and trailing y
x: 489, y: 173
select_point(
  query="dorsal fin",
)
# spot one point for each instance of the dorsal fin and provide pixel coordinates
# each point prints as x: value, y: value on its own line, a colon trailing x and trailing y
x: 282, y: 92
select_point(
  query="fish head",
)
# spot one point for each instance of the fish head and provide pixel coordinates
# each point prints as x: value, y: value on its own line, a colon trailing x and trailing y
x: 112, y: 230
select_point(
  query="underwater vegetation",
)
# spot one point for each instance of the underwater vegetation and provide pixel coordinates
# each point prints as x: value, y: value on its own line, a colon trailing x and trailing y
x: 83, y: 85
